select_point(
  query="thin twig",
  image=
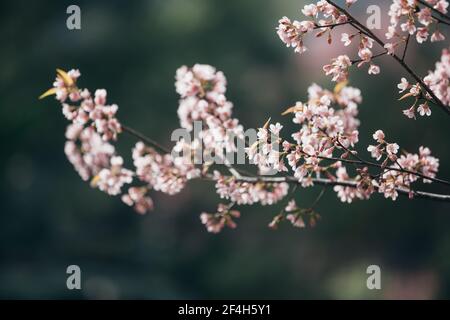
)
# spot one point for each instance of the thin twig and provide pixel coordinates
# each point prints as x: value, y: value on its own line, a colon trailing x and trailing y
x: 331, y: 26
x: 406, y: 47
x: 316, y: 201
x: 145, y: 139
x: 351, y: 184
x: 373, y: 57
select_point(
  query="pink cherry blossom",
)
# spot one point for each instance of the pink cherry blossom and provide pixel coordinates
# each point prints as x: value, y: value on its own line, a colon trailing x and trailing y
x: 223, y: 217
x: 424, y: 109
x: 403, y: 85
x: 392, y: 148
x: 338, y: 68
x: 379, y: 136
x: 137, y: 198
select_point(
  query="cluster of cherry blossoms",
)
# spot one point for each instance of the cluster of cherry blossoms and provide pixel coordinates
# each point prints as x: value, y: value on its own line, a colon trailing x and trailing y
x: 202, y: 90
x: 320, y: 151
x: 437, y: 80
x: 320, y: 127
x: 93, y: 127
x: 296, y: 216
x: 215, y: 222
x: 321, y: 147
x: 245, y: 193
x: 400, y: 171
x: 90, y: 139
x: 324, y: 18
x: 407, y: 19
x: 326, y: 140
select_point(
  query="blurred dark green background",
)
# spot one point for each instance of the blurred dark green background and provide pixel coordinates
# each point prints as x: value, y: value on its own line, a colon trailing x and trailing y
x: 51, y: 219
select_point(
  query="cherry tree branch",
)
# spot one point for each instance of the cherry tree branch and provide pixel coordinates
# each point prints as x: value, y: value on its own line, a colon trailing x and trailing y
x: 236, y: 174
x: 361, y: 27
x: 406, y: 47
x: 351, y: 184
x: 331, y: 26
x: 150, y: 142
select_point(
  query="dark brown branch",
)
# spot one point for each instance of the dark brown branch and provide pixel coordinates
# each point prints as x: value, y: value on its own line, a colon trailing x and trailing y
x: 406, y: 47
x: 150, y: 142
x: 331, y: 26
x: 351, y: 184
x: 373, y: 57
x: 359, y: 160
x: 362, y: 162
x: 361, y: 27
x: 377, y: 165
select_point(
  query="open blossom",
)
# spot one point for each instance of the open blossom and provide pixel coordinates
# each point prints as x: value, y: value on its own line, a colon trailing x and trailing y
x: 375, y: 152
x: 403, y: 85
x: 392, y: 148
x: 310, y: 10
x: 410, y: 112
x: 424, y: 109
x: 338, y: 68
x: 422, y: 35
x: 379, y: 136
x: 276, y: 128
x: 346, y: 39
x: 365, y: 54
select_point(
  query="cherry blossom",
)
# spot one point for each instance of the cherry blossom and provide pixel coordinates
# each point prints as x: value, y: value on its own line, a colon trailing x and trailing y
x: 113, y: 178
x: 136, y: 197
x: 215, y: 222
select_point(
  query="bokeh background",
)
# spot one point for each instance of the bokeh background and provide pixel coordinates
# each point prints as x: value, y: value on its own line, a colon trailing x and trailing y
x: 50, y: 219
